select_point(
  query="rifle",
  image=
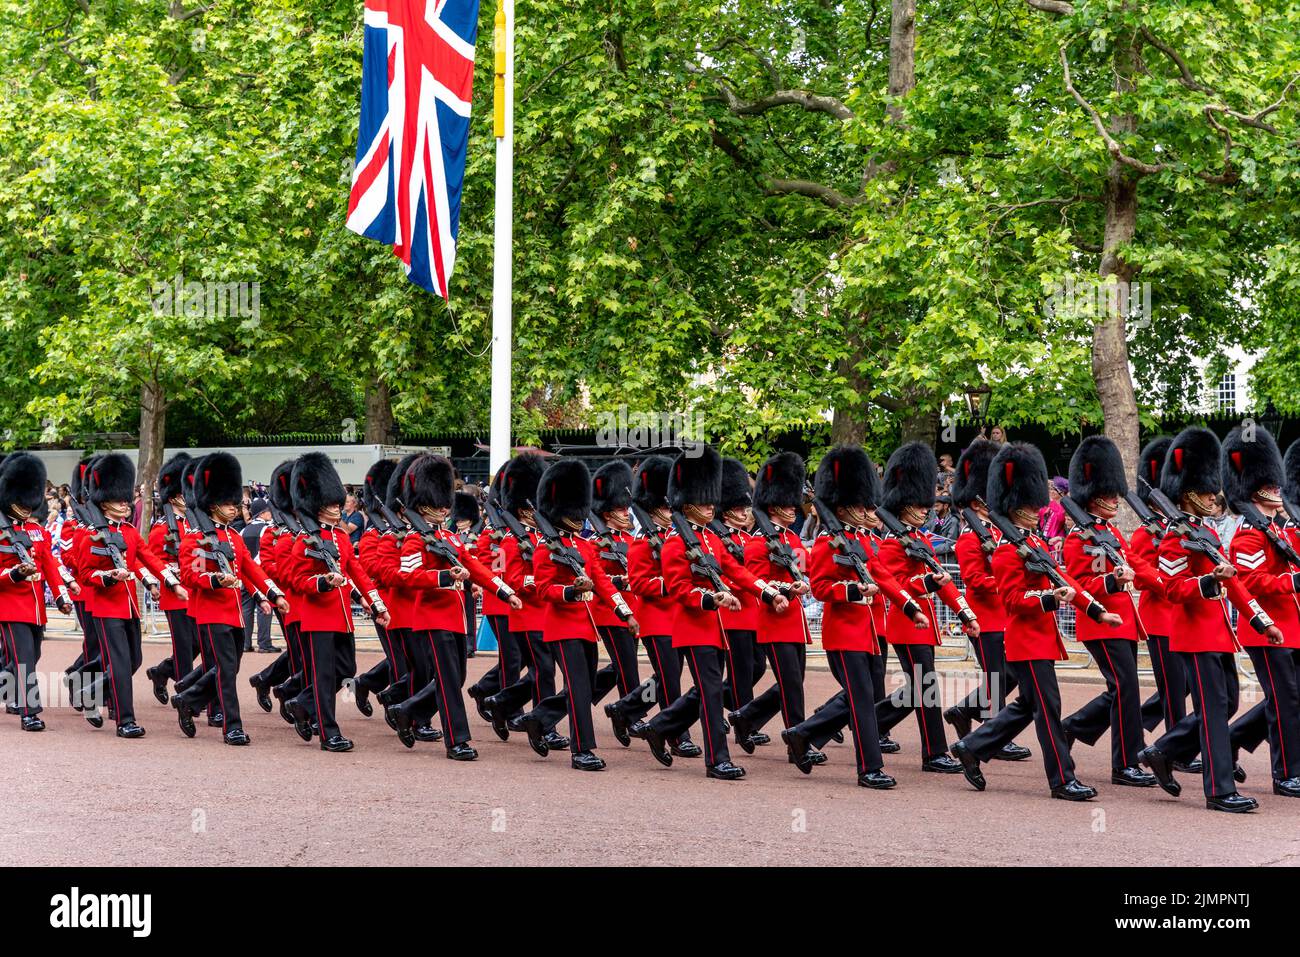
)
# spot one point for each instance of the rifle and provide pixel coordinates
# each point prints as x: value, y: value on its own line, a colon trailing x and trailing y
x: 1102, y: 539
x: 172, y: 543
x: 433, y: 543
x: 1034, y: 557
x: 114, y: 543
x: 778, y: 550
x: 702, y: 563
x: 561, y: 554
x: 649, y: 529
x: 850, y: 553
x: 507, y: 521
x: 1253, y: 517
x: 1194, y: 538
x: 976, y: 525
x: 327, y: 553
x: 1149, y: 519
x: 20, y: 543
x: 914, y: 548
x: 728, y: 540
x: 615, y: 551
x: 221, y: 552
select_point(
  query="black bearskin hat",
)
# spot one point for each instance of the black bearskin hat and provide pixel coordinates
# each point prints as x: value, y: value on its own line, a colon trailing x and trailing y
x: 520, y: 484
x: 111, y: 479
x: 780, y: 482
x: 395, y: 490
x: 430, y: 482
x: 737, y: 490
x: 1096, y: 470
x: 611, y: 487
x: 695, y: 479
x: 465, y: 508
x: 22, y: 482
x: 280, y: 491
x: 971, y: 480
x: 1150, y: 463
x: 564, y: 491
x: 846, y: 477
x: 218, y: 481
x: 170, y: 475
x: 1248, y: 466
x: 80, y: 472
x: 316, y: 485
x: 910, y: 476
x: 376, y: 484
x: 1291, y: 472
x: 187, y: 480
x: 1191, y: 465
x: 1017, y: 479
x: 650, y: 483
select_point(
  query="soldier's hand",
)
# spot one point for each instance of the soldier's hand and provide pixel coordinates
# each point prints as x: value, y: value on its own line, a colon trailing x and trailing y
x: 120, y: 574
x: 1125, y: 574
x: 942, y: 578
x: 633, y: 626
x: 282, y: 603
x: 583, y: 583
x: 728, y: 601
x: 265, y: 606
x: 181, y: 592
x: 1224, y: 572
x: 154, y: 592
x: 74, y: 587
x: 383, y: 620
x: 921, y: 620
x: 335, y: 580
x: 1112, y: 619
x: 799, y: 588
x: 227, y: 581
x: 514, y: 602
x: 869, y: 589
x: 1274, y: 635
x: 27, y: 571
x: 1064, y: 594
x: 779, y: 604
x: 459, y: 572
x: 972, y: 629
x: 65, y: 606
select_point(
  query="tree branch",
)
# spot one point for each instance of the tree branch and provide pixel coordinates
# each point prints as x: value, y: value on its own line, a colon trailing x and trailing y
x: 783, y: 187
x: 1060, y: 7
x: 1186, y: 77
x: 1112, y: 145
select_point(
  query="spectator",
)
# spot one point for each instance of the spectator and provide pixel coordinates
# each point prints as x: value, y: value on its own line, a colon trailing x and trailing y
x: 354, y: 521
x: 260, y: 516
x: 1052, y: 519
x: 944, y: 527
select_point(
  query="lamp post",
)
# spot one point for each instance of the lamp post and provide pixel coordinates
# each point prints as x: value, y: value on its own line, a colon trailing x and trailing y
x: 977, y: 403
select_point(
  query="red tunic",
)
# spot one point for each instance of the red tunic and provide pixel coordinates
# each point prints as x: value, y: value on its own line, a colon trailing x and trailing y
x: 23, y: 599
x: 604, y: 612
x: 324, y: 607
x: 519, y: 576
x: 981, y: 587
x: 570, y: 614
x: 110, y: 598
x: 1032, y: 632
x: 439, y: 598
x: 211, y: 603
x: 747, y: 618
x: 698, y: 622
x: 1272, y: 580
x: 789, y: 626
x: 848, y: 622
x: 656, y: 609
x: 1200, y: 620
x: 1152, y: 605
x: 1096, y: 573
x: 488, y: 551
x: 912, y: 575
x: 169, y: 553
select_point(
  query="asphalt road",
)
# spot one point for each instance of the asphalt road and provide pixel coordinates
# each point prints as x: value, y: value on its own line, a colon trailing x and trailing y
x: 74, y: 795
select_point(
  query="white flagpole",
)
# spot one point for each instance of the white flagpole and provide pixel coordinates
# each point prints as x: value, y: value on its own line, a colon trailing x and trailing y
x: 502, y: 257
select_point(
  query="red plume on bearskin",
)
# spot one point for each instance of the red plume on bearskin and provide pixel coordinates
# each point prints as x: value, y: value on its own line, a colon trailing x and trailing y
x: 393, y: 494
x: 650, y: 482
x: 280, y: 490
x: 737, y: 490
x: 1191, y: 464
x: 910, y: 476
x: 376, y: 483
x: 564, y: 491
x: 1151, y: 461
x: 218, y: 481
x: 695, y: 479
x: 111, y: 478
x: 80, y: 472
x: 1250, y: 460
x: 972, y: 472
x: 847, y: 477
x: 315, y: 484
x: 520, y: 484
x: 1017, y: 479
x: 169, y: 476
x: 1096, y: 470
x: 611, y: 487
x: 22, y: 482
x: 780, y: 482
x: 430, y: 482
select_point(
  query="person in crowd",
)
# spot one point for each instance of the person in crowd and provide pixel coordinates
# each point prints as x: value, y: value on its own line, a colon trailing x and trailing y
x: 259, y: 511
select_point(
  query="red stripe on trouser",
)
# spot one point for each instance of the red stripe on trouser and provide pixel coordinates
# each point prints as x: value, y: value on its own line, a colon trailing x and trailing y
x: 915, y: 681
x: 315, y: 685
x: 13, y: 657
x: 661, y: 694
x: 1205, y: 731
x: 216, y: 663
x: 780, y: 686
x: 442, y: 693
x: 568, y: 693
x: 704, y: 711
x: 1042, y: 707
x: 1281, y: 740
x: 623, y: 685
x: 1119, y: 704
x: 537, y: 672
x: 853, y: 711
x: 107, y: 657
x: 731, y: 672
x: 1166, y: 697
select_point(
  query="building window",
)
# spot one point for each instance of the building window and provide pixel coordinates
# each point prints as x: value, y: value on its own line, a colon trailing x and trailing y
x: 1226, y: 400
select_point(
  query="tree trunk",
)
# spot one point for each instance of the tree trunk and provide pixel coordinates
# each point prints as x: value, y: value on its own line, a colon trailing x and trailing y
x: 153, y: 441
x: 1110, y: 361
x: 902, y: 53
x: 379, y: 413
x: 919, y: 426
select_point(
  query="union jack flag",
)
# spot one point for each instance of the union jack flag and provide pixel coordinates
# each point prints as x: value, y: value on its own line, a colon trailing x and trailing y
x: 417, y: 71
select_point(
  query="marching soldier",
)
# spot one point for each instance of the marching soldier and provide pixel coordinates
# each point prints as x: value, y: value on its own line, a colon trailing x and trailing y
x: 1090, y: 554
x: 1199, y: 586
x: 289, y: 661
x: 1266, y: 563
x: 784, y: 635
x: 688, y: 570
x: 401, y: 599
x: 88, y: 662
x: 570, y: 579
x: 165, y: 541
x: 510, y: 656
x: 213, y: 565
x: 746, y: 662
x: 323, y: 570
x: 27, y: 565
x: 847, y: 484
x: 974, y: 550
x: 393, y: 665
x: 109, y: 558
x: 1017, y: 489
x: 465, y: 517
x: 909, y: 494
x: 611, y: 496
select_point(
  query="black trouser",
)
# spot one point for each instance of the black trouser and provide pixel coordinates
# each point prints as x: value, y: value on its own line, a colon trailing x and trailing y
x: 331, y: 660
x: 207, y: 664
x: 1215, y: 694
x: 89, y: 659
x: 1277, y: 717
x: 1169, y: 703
x: 577, y: 660
x: 22, y: 643
x: 184, y: 634
x: 1042, y: 695
x: 789, y: 661
x: 920, y: 694
x: 702, y: 703
x: 471, y: 627
x: 218, y: 686
x: 621, y: 672
x: 855, y: 706
x: 879, y: 664
x: 299, y: 679
x: 250, y: 605
x: 392, y: 668
x: 510, y: 658
x: 996, y: 679
x: 439, y: 654
x: 1117, y: 708
x: 746, y: 663
x: 537, y: 684
x: 119, y: 641
x: 663, y: 688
